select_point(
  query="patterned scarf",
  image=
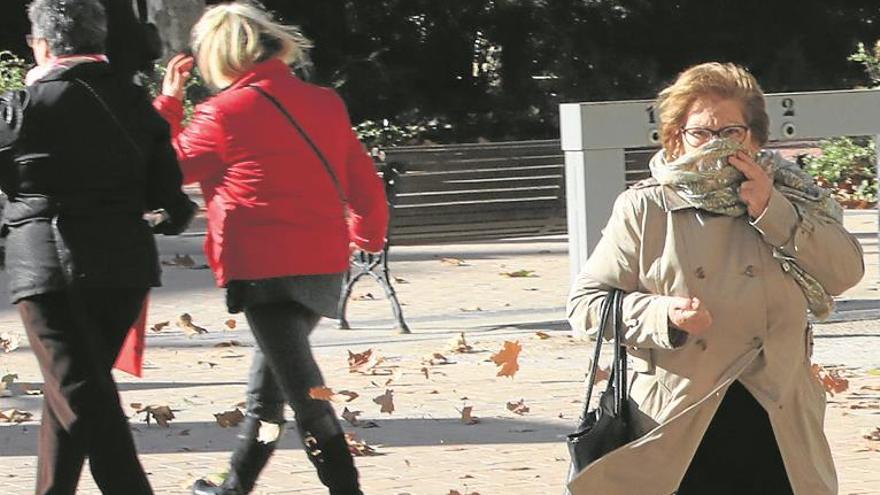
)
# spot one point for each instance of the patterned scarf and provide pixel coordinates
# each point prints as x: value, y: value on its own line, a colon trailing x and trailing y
x: 705, y: 180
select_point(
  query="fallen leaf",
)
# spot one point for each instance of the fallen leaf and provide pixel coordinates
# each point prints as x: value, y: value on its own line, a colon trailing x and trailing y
x: 435, y: 359
x: 364, y: 362
x: 507, y: 357
x: 542, y: 335
x: 229, y: 343
x: 9, y: 342
x: 357, y: 447
x: 518, y: 407
x: 227, y: 419
x: 136, y: 406
x: 162, y: 414
x: 348, y: 393
x: 230, y: 324
x: 159, y: 326
x: 426, y: 372
x: 184, y: 261
x: 352, y: 418
x: 467, y: 416
x: 873, y: 435
x: 14, y: 416
x: 520, y: 274
x: 460, y: 345
x: 186, y: 324
x: 364, y: 297
x: 475, y: 309
x: 399, y: 280
x: 210, y: 364
x: 453, y: 261
x: 321, y: 393
x: 386, y: 401
x: 830, y: 379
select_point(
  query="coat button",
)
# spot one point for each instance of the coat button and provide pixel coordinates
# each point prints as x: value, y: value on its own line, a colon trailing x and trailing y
x: 749, y: 271
x: 700, y: 273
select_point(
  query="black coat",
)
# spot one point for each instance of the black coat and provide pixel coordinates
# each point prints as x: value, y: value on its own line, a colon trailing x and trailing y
x: 78, y: 184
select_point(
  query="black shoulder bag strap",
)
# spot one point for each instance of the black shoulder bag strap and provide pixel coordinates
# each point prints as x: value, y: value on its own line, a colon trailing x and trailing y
x: 108, y: 111
x: 609, y: 316
x: 338, y: 185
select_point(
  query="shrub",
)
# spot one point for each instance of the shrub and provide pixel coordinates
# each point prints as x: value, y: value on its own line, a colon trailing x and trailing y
x: 847, y: 167
x: 12, y: 71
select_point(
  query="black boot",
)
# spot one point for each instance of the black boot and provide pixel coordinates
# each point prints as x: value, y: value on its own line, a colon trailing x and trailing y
x: 247, y: 461
x: 334, y: 463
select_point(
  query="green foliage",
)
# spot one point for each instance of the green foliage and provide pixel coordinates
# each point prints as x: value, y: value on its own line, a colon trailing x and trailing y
x: 12, y: 71
x: 386, y: 134
x: 870, y: 60
x: 847, y: 167
x: 196, y: 89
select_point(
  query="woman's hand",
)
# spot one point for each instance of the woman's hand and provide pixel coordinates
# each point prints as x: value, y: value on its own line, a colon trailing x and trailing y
x: 689, y: 314
x: 755, y: 190
x: 177, y: 73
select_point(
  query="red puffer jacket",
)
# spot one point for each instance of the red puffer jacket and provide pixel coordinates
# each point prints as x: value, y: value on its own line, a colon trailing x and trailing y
x: 272, y: 207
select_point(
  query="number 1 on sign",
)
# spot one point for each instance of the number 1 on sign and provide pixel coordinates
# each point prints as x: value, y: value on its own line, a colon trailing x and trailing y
x: 652, y: 119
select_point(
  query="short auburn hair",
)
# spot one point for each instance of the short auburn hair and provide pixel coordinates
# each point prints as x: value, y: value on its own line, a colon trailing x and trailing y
x: 712, y: 79
x: 230, y: 38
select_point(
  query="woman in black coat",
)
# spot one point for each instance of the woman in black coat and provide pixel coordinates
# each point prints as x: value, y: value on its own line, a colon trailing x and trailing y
x: 82, y: 157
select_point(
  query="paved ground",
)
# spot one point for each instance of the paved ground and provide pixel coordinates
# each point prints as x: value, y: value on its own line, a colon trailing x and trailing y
x: 424, y: 447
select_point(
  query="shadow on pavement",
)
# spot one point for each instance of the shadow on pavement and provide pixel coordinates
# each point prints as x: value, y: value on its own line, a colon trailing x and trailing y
x: 21, y: 440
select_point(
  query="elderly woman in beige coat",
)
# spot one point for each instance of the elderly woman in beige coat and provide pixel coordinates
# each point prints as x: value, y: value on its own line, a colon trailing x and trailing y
x: 722, y: 254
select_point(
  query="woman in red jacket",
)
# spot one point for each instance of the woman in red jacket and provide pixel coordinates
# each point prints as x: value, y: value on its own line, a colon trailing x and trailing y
x: 288, y: 186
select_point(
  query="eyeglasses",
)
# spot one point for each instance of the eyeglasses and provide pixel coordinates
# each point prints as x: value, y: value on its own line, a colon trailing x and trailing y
x: 695, y: 136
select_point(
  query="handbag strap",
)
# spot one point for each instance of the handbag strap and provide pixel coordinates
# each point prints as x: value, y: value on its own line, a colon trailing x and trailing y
x: 108, y: 111
x: 142, y: 10
x: 338, y: 185
x: 610, y: 316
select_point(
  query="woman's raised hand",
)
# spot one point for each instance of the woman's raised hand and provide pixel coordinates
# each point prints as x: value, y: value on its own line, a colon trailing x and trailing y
x: 177, y: 73
x: 755, y: 190
x: 689, y: 314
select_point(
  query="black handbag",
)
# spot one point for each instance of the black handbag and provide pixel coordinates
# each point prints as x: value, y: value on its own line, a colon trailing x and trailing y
x: 607, y: 427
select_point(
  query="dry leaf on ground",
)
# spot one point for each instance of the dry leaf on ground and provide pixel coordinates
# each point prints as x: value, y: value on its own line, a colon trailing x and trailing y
x: 386, y: 401
x: 873, y: 435
x: 467, y: 417
x: 352, y: 418
x: 364, y: 362
x: 162, y: 414
x: 229, y: 343
x: 830, y: 379
x: 456, y: 492
x: 507, y: 358
x: 474, y: 309
x: 453, y: 261
x: 9, y: 342
x: 357, y: 447
x: 185, y: 322
x: 321, y: 393
x: 364, y: 297
x: 14, y: 416
x: 227, y: 419
x: 520, y: 274
x: 426, y: 372
x: 159, y: 326
x: 231, y: 324
x: 542, y: 335
x: 459, y: 344
x: 435, y: 359
x: 518, y: 407
x: 401, y: 281
x: 348, y: 393
x: 184, y: 261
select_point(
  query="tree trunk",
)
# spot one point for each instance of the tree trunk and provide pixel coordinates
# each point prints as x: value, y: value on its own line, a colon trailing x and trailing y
x: 175, y: 19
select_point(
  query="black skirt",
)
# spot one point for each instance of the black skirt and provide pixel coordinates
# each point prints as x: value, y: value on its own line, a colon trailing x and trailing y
x: 319, y: 293
x: 739, y: 454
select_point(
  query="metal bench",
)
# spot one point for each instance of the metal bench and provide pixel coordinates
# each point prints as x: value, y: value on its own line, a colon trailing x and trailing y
x: 463, y: 193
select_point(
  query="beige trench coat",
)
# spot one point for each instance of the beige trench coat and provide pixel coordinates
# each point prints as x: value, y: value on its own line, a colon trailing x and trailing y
x: 657, y: 245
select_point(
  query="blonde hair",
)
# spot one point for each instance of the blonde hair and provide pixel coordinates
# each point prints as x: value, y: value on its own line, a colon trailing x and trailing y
x: 230, y: 38
x: 713, y: 79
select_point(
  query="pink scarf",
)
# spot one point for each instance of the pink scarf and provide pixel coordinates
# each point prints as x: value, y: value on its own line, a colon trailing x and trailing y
x: 65, y: 62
